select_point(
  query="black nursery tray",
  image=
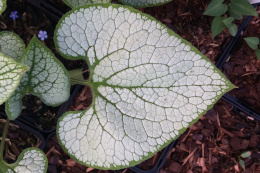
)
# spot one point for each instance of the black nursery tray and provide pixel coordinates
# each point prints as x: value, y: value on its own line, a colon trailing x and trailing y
x: 54, y: 13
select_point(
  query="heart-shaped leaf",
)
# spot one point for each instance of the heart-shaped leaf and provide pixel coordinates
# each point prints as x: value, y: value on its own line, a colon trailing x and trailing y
x: 10, y: 76
x: 47, y: 79
x: 144, y: 3
x: 78, y: 3
x: 11, y: 45
x: 2, y: 6
x: 216, y: 8
x: 31, y: 160
x: 148, y: 85
x: 217, y: 26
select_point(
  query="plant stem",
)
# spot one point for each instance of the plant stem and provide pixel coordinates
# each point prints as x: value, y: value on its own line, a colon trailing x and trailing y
x: 3, y: 140
x: 79, y: 81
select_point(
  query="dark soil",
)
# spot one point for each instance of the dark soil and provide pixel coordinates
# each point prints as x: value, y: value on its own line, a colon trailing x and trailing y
x: 213, y: 144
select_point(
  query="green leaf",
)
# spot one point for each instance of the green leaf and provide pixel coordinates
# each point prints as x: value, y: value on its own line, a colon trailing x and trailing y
x: 31, y: 160
x: 78, y: 3
x: 217, y: 26
x: 47, y: 78
x: 148, y: 85
x: 235, y: 14
x: 252, y: 42
x: 143, y: 3
x: 10, y: 76
x: 216, y: 8
x: 242, y: 7
x: 228, y: 21
x: 246, y: 154
x: 2, y: 6
x: 11, y: 45
x: 257, y: 52
x: 242, y: 164
x: 233, y: 29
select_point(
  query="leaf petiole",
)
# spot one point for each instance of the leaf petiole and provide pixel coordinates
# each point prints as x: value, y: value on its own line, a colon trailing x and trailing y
x: 76, y: 77
x: 81, y: 82
x: 3, y: 139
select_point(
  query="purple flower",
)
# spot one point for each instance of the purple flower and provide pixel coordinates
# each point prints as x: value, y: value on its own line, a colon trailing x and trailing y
x: 14, y: 15
x: 42, y: 35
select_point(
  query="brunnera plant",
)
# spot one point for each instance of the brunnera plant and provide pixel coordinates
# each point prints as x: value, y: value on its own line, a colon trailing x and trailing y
x: 31, y: 160
x: 148, y: 85
x: 47, y: 78
x: 11, y: 47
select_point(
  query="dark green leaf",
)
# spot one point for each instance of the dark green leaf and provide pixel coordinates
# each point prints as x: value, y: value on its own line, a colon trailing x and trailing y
x: 233, y: 29
x: 242, y: 163
x: 252, y: 42
x: 228, y: 21
x: 217, y: 26
x: 246, y: 154
x: 242, y: 7
x: 216, y: 8
x: 257, y: 52
x: 235, y: 14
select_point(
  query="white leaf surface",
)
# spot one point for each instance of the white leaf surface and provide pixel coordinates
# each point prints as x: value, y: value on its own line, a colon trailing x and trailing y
x: 148, y: 85
x: 78, y: 3
x: 31, y: 160
x: 47, y: 78
x: 10, y: 76
x: 144, y: 3
x: 11, y: 45
x: 2, y: 6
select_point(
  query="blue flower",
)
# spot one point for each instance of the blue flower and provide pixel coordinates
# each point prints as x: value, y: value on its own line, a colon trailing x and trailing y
x: 14, y: 15
x: 42, y: 35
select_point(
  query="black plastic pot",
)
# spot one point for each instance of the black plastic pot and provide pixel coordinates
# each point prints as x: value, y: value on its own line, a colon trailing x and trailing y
x: 55, y: 13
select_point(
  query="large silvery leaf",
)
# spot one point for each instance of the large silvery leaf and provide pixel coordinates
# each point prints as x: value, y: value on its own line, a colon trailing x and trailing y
x: 2, y: 6
x: 47, y: 78
x: 31, y: 160
x: 144, y: 3
x: 77, y: 3
x: 148, y: 85
x: 11, y: 45
x: 10, y: 76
